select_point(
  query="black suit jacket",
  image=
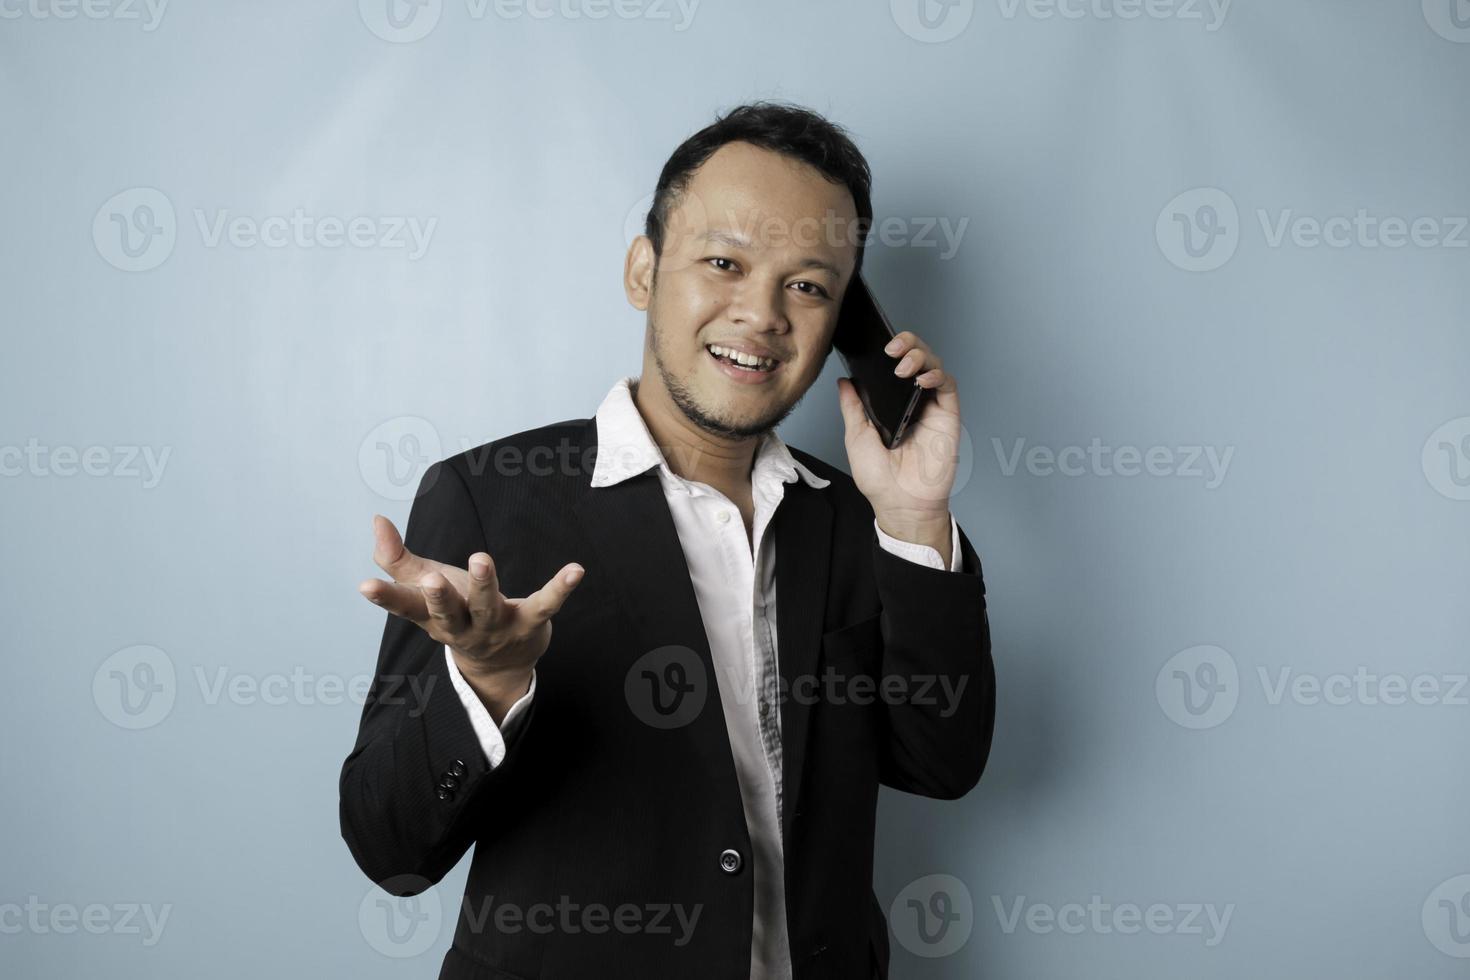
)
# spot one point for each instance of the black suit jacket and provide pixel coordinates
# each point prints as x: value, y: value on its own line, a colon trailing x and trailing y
x: 596, y: 807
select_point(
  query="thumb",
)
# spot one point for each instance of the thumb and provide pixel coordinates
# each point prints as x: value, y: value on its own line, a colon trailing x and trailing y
x: 854, y: 418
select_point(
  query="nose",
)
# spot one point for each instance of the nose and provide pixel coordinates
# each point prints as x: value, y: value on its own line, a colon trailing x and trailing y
x: 759, y: 305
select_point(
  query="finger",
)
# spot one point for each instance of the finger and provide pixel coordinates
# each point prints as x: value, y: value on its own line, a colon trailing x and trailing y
x: 484, y: 598
x: 400, y: 600
x: 391, y: 556
x: 900, y: 343
x: 544, y: 603
x: 916, y: 361
x: 447, y: 609
x: 946, y: 389
x: 934, y: 378
x: 903, y: 342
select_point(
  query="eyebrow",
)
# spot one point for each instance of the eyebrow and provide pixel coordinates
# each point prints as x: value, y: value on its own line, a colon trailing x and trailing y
x: 734, y: 240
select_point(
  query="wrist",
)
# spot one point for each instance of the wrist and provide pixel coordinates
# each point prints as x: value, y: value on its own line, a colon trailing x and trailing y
x: 497, y: 688
x: 929, y: 529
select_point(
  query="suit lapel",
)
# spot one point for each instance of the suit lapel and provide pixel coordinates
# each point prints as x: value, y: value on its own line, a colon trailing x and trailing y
x: 803, y: 559
x: 630, y: 527
x: 638, y: 550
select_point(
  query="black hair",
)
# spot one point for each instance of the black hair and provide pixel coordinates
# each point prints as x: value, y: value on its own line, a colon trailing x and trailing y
x: 784, y: 128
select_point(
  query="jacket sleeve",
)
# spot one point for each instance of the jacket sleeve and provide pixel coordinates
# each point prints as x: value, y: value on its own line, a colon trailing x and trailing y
x: 936, y: 653
x: 417, y: 772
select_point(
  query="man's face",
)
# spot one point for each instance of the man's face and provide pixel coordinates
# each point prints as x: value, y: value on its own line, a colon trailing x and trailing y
x: 757, y: 255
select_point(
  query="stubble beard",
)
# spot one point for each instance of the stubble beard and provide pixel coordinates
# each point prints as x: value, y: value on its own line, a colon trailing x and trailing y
x: 682, y: 397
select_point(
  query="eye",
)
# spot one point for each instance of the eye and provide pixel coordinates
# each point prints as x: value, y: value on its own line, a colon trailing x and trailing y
x: 721, y: 258
x: 819, y: 290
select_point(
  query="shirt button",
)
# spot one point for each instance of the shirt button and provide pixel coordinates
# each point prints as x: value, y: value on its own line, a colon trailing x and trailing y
x: 723, y: 517
x: 730, y: 861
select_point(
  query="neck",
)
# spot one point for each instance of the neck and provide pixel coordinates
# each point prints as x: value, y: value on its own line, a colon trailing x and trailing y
x: 692, y: 452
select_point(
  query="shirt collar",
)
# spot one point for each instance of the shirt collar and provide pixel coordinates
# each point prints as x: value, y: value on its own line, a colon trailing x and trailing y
x: 625, y: 448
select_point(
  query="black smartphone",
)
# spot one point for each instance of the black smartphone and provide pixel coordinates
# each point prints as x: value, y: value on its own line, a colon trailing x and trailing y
x: 890, y: 402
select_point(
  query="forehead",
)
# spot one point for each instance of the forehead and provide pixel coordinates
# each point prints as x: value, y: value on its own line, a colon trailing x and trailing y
x: 758, y: 193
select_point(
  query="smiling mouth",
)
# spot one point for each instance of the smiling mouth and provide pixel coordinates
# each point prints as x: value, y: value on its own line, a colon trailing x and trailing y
x: 744, y: 362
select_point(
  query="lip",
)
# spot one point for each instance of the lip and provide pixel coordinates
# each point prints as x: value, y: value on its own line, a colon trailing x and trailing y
x: 741, y: 375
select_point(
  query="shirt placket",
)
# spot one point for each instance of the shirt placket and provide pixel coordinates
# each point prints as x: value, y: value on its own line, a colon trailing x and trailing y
x: 763, y: 626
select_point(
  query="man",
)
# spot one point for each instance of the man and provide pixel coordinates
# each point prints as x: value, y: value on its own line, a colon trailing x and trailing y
x: 667, y: 751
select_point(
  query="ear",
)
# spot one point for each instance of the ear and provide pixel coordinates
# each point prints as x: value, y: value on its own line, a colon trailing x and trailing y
x: 638, y: 268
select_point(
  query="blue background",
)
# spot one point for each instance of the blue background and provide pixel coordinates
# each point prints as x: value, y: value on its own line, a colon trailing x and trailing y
x: 1336, y: 377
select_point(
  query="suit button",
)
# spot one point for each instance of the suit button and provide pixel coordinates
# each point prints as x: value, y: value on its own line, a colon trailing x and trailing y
x: 457, y: 769
x: 449, y: 783
x: 730, y: 861
x: 445, y: 794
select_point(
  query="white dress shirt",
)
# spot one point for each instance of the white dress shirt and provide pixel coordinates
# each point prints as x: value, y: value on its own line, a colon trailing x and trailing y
x: 734, y: 579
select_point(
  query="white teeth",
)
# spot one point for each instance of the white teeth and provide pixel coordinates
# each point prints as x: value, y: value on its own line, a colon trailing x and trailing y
x: 743, y: 359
